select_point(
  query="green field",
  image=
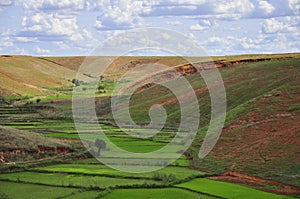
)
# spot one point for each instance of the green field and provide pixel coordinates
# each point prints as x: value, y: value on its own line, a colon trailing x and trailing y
x: 259, y: 137
x: 20, y: 191
x: 178, y: 172
x: 226, y: 190
x: 167, y: 193
x: 66, y: 180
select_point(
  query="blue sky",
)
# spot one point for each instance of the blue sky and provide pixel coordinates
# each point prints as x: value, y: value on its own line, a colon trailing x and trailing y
x: 221, y: 27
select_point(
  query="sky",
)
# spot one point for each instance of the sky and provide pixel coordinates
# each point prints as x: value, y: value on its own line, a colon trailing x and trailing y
x: 76, y: 27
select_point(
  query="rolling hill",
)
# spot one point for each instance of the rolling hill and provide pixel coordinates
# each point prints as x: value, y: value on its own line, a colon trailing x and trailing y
x: 259, y: 144
x: 261, y: 135
x: 25, y: 76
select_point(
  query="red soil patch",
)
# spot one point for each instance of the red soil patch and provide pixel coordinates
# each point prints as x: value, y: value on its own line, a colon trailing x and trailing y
x: 264, y: 141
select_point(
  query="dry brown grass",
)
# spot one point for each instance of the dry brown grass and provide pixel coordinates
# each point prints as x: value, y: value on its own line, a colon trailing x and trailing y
x: 29, y: 76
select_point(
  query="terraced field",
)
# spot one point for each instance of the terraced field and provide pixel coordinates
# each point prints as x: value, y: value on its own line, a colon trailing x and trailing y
x: 259, y: 138
x: 226, y: 190
x: 168, y: 193
x: 20, y: 190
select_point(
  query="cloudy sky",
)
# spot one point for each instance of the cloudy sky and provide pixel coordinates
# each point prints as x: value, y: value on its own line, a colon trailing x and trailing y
x: 221, y: 27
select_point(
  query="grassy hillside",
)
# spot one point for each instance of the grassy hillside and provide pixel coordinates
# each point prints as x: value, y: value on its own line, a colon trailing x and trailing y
x: 17, y: 145
x: 260, y: 137
x: 26, y: 76
x: 261, y: 134
x: 124, y: 62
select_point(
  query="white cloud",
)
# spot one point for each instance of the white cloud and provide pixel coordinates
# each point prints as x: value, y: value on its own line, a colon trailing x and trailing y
x: 216, y: 40
x: 42, y: 51
x: 174, y: 23
x: 242, y: 7
x: 38, y: 5
x: 120, y: 14
x: 47, y: 24
x: 266, y: 7
x: 287, y: 34
x: 272, y: 26
x: 21, y: 51
x: 6, y: 42
x: 284, y: 25
x: 203, y: 24
x: 295, y: 6
x: 223, y: 9
x: 197, y: 27
x: 62, y: 45
x: 76, y: 25
x: 51, y: 26
x: 6, y: 2
x: 27, y: 39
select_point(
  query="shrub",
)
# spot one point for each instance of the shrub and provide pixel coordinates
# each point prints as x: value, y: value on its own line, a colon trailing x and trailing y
x: 104, y: 192
x: 76, y: 82
x: 101, y: 88
x: 166, y: 179
x: 4, y: 196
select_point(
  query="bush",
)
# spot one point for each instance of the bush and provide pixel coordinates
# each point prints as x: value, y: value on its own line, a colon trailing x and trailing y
x: 104, y: 192
x: 4, y: 196
x: 76, y: 82
x: 101, y: 87
x: 166, y: 179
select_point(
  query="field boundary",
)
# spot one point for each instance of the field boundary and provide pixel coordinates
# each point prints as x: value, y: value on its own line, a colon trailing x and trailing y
x: 203, y: 193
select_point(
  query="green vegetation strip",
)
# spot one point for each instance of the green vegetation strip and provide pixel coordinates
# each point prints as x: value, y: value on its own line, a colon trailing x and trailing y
x: 178, y: 172
x: 18, y: 190
x: 227, y: 190
x: 166, y: 193
x: 181, y: 162
x: 74, y: 180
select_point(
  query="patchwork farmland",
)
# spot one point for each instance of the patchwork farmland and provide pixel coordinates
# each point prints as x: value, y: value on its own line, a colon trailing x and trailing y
x: 256, y: 156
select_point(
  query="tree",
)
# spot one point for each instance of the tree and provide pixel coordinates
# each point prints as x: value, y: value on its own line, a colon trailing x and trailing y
x: 101, y: 87
x: 100, y: 144
x: 76, y: 82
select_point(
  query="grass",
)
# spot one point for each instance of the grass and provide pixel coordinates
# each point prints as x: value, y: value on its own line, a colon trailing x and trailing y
x: 166, y: 193
x: 73, y: 180
x: 227, y: 190
x: 238, y: 80
x: 20, y: 191
x: 85, y: 195
x: 62, y: 135
x: 179, y: 172
x: 246, y: 85
x: 21, y: 76
x: 16, y: 139
x: 182, y: 161
x: 254, y: 56
x: 294, y: 107
x: 137, y: 145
